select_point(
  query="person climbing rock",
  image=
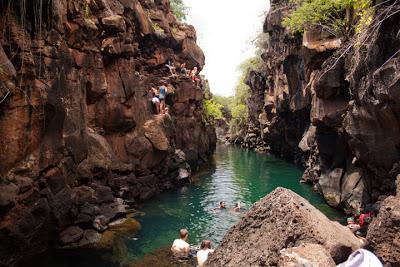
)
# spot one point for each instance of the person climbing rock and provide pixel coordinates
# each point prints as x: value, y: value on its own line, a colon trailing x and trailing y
x: 162, y: 95
x: 154, y: 99
x: 180, y: 248
x: 202, y: 254
x: 171, y: 67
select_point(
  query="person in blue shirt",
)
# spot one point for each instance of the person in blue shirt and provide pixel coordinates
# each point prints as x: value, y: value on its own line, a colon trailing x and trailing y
x: 162, y: 95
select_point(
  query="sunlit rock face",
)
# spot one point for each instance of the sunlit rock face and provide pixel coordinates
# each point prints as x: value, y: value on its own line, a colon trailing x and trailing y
x: 79, y: 135
x: 335, y: 115
x: 284, y: 220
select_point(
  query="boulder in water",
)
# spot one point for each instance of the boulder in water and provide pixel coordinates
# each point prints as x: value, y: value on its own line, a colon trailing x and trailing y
x: 281, y: 220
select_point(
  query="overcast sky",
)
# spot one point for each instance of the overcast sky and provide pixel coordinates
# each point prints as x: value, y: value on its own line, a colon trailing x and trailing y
x: 224, y: 29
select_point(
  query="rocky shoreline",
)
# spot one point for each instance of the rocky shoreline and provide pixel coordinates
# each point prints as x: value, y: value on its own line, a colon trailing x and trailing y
x: 283, y: 229
x: 80, y: 141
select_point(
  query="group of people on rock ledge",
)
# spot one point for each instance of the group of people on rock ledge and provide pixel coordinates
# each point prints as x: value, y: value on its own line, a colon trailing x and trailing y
x: 183, y: 251
x: 158, y: 95
x: 192, y: 74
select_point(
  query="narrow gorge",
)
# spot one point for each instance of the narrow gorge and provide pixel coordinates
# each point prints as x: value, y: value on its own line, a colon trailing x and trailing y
x: 96, y: 171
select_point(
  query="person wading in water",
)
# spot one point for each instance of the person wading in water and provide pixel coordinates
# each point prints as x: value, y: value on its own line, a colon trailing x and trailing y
x: 180, y: 248
x: 202, y: 254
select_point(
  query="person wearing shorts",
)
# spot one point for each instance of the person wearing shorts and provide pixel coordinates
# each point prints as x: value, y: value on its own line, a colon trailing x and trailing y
x: 162, y: 95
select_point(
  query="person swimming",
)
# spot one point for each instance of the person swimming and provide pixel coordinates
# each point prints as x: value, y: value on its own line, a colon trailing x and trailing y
x: 221, y: 206
x: 236, y: 208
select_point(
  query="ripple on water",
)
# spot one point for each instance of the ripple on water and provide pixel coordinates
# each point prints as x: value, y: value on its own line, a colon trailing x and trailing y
x: 239, y: 175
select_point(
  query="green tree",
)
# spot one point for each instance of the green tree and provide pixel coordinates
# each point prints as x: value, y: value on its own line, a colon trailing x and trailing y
x: 334, y: 16
x: 180, y: 9
x: 212, y: 110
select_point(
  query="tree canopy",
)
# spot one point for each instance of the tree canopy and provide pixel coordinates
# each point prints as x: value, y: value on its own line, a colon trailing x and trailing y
x: 332, y: 15
x: 180, y: 9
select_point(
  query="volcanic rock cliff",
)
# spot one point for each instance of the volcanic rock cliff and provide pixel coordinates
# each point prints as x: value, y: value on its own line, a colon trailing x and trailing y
x: 79, y: 136
x: 332, y: 105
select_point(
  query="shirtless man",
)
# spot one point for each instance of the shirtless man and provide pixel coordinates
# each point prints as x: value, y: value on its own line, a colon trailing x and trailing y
x: 180, y: 248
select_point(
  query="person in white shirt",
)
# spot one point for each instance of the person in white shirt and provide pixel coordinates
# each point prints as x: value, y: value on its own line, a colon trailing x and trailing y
x: 180, y: 248
x: 202, y: 254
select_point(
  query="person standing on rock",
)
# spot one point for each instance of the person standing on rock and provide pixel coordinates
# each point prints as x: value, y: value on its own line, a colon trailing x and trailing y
x: 180, y: 248
x: 162, y: 95
x: 155, y: 99
x: 193, y: 74
x: 202, y: 254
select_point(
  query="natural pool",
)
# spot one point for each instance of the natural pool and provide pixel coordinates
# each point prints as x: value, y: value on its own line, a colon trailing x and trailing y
x: 237, y: 175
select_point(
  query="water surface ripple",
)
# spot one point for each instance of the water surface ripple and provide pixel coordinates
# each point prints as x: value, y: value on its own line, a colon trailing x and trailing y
x: 239, y: 175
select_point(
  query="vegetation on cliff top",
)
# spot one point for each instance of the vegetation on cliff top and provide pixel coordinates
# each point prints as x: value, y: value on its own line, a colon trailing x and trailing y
x: 338, y: 17
x: 180, y: 9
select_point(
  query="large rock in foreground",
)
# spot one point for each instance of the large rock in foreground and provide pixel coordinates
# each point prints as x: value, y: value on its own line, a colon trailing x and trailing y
x: 281, y: 220
x: 384, y: 231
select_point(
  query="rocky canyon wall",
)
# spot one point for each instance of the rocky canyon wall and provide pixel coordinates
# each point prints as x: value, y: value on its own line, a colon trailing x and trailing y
x: 79, y: 137
x: 332, y: 105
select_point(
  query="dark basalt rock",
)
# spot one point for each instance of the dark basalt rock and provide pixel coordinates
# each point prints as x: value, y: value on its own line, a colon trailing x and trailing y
x: 283, y: 220
x: 350, y: 103
x: 384, y: 231
x: 79, y: 137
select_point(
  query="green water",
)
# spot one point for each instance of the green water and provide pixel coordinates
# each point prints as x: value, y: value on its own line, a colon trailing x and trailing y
x: 238, y: 175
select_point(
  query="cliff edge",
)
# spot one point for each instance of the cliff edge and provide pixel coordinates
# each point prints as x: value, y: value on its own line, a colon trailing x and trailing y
x: 332, y: 105
x: 80, y: 140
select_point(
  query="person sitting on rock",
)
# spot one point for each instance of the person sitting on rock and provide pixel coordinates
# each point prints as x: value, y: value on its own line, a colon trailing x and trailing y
x: 155, y: 99
x: 352, y: 225
x: 202, y: 254
x: 180, y: 248
x: 193, y: 74
x: 162, y: 95
x: 183, y: 69
x: 171, y: 67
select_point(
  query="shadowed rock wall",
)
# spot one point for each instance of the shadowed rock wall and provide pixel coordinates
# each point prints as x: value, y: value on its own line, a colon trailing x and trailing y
x: 79, y: 135
x: 332, y: 107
